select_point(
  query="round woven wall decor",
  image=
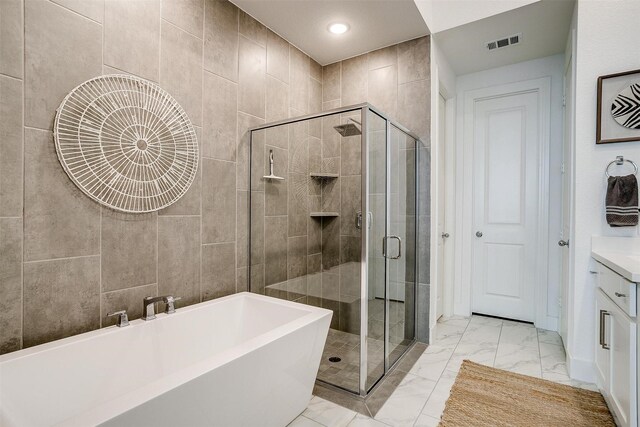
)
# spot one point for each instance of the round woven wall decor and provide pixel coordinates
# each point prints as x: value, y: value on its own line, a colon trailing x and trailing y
x: 126, y: 143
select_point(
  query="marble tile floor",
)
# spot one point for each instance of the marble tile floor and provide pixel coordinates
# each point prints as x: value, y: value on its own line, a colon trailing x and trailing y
x: 420, y: 397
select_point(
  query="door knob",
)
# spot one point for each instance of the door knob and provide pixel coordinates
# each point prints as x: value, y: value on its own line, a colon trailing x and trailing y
x: 563, y: 243
x: 478, y: 233
x: 445, y: 235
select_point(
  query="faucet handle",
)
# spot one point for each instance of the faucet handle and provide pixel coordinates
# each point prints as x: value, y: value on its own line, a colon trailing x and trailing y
x: 123, y: 319
x: 170, y: 304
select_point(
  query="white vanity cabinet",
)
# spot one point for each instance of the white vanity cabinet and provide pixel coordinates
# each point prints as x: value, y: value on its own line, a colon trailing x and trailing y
x: 616, y: 359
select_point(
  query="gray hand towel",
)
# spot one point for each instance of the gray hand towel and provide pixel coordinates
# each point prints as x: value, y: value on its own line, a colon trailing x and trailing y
x: 622, y: 201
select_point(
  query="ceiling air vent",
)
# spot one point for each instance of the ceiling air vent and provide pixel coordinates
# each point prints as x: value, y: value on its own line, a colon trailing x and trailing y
x: 504, y: 42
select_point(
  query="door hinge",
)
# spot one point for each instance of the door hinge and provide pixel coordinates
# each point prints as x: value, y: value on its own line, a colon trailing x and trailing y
x: 562, y: 168
x: 564, y: 100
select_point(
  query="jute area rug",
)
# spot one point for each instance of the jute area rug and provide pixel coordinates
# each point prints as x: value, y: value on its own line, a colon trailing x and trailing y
x: 485, y: 396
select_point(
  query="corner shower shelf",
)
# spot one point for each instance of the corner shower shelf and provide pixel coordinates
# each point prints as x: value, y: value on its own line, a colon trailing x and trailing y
x: 320, y: 175
x: 324, y: 214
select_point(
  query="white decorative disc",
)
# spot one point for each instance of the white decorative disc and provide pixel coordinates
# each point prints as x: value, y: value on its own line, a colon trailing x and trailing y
x: 126, y: 143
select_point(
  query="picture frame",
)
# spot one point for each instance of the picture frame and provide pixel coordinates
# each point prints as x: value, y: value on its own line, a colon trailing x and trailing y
x: 618, y: 111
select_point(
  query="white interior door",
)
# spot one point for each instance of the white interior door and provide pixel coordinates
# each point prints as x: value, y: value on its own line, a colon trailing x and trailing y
x: 566, y: 199
x: 505, y: 198
x: 442, y: 232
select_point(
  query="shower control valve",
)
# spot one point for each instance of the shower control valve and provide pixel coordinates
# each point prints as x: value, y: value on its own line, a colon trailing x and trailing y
x: 359, y: 220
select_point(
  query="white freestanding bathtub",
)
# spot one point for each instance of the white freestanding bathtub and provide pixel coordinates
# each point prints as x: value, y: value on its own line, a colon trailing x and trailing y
x: 241, y: 360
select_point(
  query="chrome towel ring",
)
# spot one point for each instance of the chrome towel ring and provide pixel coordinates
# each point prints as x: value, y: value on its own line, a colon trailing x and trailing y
x: 619, y: 161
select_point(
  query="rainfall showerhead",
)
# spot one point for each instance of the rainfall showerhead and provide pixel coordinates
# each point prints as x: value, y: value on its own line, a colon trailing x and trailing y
x: 348, y: 129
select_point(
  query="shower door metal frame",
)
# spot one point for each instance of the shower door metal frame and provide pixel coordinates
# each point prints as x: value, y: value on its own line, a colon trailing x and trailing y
x: 364, y: 254
x: 364, y: 108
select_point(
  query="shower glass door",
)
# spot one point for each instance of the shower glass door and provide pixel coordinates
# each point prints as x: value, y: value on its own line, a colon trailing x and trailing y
x: 401, y: 244
x: 376, y: 231
x: 391, y: 245
x: 332, y: 223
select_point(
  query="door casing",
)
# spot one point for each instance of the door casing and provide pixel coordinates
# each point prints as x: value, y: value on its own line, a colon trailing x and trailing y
x: 567, y: 205
x: 441, y: 209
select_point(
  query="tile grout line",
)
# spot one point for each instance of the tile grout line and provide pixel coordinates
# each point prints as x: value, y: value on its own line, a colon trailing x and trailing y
x: 179, y: 27
x: 24, y: 54
x: 495, y: 356
x: 130, y: 288
x: 61, y: 258
x: 540, y: 354
x: 74, y: 12
x: 10, y: 76
x: 201, y: 159
x: 442, y: 373
x: 157, y: 215
x: 250, y: 167
x: 100, y: 290
x: 238, y: 144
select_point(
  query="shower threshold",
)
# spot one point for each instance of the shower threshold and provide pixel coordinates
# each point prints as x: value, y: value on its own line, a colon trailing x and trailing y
x: 370, y: 404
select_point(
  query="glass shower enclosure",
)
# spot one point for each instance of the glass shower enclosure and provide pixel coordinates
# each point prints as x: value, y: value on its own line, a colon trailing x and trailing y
x: 333, y: 223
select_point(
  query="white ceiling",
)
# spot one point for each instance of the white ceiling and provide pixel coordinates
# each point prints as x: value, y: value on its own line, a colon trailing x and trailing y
x: 374, y: 24
x: 441, y: 15
x: 544, y: 26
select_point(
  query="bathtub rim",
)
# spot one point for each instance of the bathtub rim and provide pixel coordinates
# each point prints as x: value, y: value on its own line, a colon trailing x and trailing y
x: 121, y: 404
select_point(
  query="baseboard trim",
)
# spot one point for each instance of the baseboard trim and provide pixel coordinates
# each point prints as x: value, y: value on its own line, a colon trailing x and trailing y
x: 552, y: 324
x: 580, y: 369
x: 432, y: 332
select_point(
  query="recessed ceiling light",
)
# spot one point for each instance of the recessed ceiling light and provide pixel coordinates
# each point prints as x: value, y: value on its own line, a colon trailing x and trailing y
x: 338, y: 28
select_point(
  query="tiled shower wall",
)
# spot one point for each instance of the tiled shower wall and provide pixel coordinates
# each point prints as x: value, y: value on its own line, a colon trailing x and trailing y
x: 64, y: 260
x: 297, y: 255
x: 397, y: 80
x: 316, y: 260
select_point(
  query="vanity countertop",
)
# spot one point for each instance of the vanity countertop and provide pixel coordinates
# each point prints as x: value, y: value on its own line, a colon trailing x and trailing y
x: 620, y: 254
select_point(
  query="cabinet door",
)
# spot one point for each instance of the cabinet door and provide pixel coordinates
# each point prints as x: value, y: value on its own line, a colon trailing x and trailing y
x: 623, y: 367
x: 603, y: 335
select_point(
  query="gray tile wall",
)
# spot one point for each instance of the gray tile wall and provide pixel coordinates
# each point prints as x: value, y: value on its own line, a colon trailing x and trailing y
x: 302, y: 254
x: 65, y: 261
x: 384, y: 78
x: 397, y: 80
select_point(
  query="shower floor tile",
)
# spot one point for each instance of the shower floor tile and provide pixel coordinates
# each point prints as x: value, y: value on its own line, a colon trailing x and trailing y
x: 346, y: 346
x: 345, y: 373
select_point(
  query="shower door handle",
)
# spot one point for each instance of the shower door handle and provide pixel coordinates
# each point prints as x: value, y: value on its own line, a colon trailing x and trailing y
x: 384, y: 247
